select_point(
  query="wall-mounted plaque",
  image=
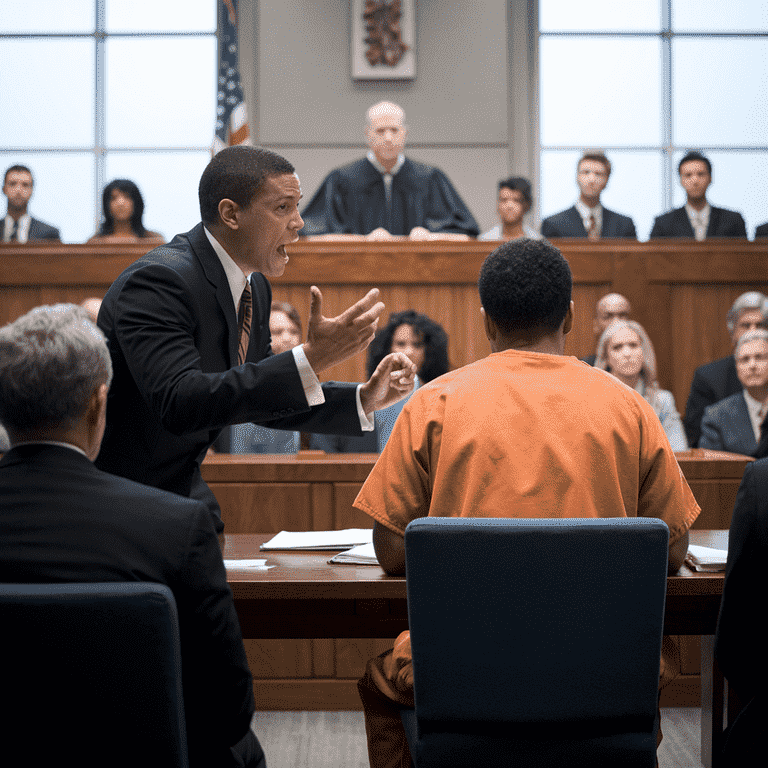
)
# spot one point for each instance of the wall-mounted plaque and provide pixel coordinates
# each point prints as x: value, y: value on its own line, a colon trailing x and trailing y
x: 383, y: 38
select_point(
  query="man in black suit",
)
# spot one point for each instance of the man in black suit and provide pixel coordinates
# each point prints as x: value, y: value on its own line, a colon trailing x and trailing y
x: 63, y: 520
x: 19, y: 226
x: 697, y: 218
x: 186, y: 364
x: 740, y: 636
x: 588, y: 218
x: 717, y: 380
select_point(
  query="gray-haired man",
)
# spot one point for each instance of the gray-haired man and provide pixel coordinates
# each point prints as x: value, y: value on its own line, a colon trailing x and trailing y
x: 717, y: 380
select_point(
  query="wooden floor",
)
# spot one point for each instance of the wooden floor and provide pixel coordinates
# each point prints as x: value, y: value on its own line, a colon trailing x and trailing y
x: 337, y: 739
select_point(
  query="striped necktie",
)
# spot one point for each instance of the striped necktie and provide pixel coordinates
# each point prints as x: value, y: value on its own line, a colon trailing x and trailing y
x: 592, y: 232
x: 14, y: 235
x: 244, y: 322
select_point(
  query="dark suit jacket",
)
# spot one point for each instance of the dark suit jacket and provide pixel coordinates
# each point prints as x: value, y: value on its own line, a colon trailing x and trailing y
x: 762, y: 230
x: 726, y: 426
x: 740, y: 638
x: 62, y: 520
x: 171, y: 326
x: 722, y: 223
x: 569, y: 223
x: 711, y: 382
x: 39, y: 230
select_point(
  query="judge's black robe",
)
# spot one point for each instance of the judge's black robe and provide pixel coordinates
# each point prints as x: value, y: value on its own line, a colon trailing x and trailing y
x: 351, y: 200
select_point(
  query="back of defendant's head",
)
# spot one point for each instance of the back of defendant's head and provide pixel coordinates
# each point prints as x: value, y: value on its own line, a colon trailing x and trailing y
x: 525, y: 285
x: 51, y: 361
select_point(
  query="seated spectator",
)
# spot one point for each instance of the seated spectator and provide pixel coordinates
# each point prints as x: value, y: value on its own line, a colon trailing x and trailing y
x: 734, y: 423
x: 515, y: 200
x: 63, y: 520
x: 716, y: 380
x: 286, y: 333
x: 610, y: 308
x: 740, y: 637
x: 626, y: 349
x: 697, y: 218
x: 123, y: 209
x: 19, y: 226
x: 587, y: 217
x: 425, y: 342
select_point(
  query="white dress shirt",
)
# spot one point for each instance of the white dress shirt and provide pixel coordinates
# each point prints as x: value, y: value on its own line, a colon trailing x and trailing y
x: 586, y: 212
x: 22, y: 233
x: 699, y: 220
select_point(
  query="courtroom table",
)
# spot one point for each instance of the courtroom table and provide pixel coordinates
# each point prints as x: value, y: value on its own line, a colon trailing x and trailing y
x: 304, y: 597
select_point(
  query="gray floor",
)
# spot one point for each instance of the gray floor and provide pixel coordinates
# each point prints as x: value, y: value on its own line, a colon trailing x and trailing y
x: 337, y: 739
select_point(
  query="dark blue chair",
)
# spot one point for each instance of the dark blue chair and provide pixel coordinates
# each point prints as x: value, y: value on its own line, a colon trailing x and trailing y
x: 92, y: 675
x: 535, y: 642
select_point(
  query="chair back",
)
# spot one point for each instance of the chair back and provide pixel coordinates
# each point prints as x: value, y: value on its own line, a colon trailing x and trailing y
x: 542, y: 633
x: 92, y: 674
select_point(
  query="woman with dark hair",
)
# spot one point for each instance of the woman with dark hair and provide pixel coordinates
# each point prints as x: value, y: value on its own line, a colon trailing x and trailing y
x: 123, y: 208
x: 514, y: 201
x: 425, y: 342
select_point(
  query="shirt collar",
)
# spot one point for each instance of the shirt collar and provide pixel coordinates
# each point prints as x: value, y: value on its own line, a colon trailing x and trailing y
x: 585, y: 211
x: 380, y: 168
x: 52, y: 442
x: 235, y: 276
x: 22, y: 231
x: 693, y: 214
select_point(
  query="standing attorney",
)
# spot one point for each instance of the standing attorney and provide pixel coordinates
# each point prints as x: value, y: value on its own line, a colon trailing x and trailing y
x: 188, y: 332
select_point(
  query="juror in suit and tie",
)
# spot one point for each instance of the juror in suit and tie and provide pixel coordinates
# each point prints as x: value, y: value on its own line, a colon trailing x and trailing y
x: 588, y: 218
x: 63, y: 520
x: 734, y: 424
x: 18, y: 225
x: 697, y: 218
x: 188, y: 332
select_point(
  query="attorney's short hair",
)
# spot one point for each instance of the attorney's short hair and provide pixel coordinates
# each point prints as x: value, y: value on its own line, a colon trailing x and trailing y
x: 237, y: 173
x: 51, y: 361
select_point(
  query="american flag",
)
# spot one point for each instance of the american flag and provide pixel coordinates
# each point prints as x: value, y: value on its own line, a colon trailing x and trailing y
x: 231, y: 110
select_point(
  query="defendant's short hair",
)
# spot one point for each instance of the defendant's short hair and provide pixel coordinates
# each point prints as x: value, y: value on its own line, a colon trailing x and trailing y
x: 526, y: 285
x: 237, y: 174
x: 51, y: 361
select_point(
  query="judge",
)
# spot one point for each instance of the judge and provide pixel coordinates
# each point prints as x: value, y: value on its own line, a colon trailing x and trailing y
x: 385, y: 194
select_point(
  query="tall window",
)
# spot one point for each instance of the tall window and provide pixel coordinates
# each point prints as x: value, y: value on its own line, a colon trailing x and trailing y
x: 93, y: 90
x: 647, y: 80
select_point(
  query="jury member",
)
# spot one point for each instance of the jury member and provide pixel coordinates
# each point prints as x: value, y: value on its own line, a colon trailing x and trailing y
x: 514, y: 201
x: 588, y: 217
x: 625, y: 350
x: 733, y: 424
x: 19, y: 226
x: 188, y: 331
x: 716, y: 380
x: 527, y: 432
x: 740, y: 637
x: 285, y: 332
x: 386, y: 193
x: 611, y: 307
x: 63, y: 520
x: 697, y: 218
x: 123, y: 213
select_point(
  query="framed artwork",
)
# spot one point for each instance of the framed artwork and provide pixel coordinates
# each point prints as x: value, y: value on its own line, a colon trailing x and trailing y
x: 383, y: 38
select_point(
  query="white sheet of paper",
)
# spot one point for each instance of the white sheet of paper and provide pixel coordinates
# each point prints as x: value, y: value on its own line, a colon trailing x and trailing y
x: 344, y: 539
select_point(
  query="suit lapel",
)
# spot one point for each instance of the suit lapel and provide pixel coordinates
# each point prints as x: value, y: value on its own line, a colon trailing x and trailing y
x: 609, y: 221
x: 744, y: 423
x: 714, y: 221
x: 684, y: 223
x: 216, y: 276
x: 575, y: 221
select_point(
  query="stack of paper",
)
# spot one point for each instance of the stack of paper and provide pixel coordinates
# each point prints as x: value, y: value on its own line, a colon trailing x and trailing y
x: 362, y: 555
x: 706, y: 558
x: 318, y: 540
